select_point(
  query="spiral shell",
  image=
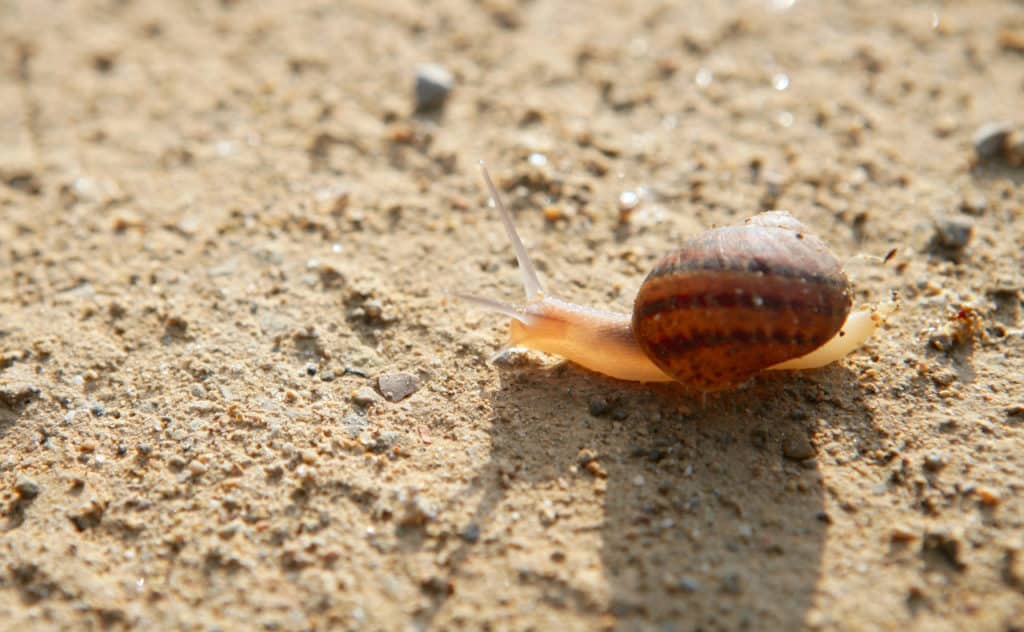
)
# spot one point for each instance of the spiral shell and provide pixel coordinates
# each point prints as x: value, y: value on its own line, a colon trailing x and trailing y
x: 736, y: 300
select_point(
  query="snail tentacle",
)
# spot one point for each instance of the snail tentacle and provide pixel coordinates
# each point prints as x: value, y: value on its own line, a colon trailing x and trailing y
x: 526, y: 268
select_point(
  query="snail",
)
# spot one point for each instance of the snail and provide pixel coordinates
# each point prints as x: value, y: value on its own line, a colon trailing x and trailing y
x: 728, y: 304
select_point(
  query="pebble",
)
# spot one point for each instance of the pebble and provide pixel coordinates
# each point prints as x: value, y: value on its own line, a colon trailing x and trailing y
x: 471, y: 533
x: 18, y: 394
x: 797, y: 446
x: 433, y: 84
x: 365, y: 396
x: 26, y: 488
x: 954, y: 232
x: 732, y: 584
x: 397, y: 386
x: 990, y: 139
x: 688, y: 584
x: 974, y: 204
x: 947, y: 545
x: 599, y: 406
x: 354, y: 425
x: 934, y: 461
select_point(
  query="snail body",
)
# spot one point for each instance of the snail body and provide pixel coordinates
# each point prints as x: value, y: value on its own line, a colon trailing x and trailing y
x: 727, y: 304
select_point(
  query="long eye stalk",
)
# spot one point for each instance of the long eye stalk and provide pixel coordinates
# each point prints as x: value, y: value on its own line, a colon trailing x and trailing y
x: 526, y: 268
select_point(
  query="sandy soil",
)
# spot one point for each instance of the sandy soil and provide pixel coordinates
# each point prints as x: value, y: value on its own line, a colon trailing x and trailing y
x: 223, y: 222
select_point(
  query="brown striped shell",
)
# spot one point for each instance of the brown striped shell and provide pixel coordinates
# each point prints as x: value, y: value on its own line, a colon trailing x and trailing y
x: 733, y: 301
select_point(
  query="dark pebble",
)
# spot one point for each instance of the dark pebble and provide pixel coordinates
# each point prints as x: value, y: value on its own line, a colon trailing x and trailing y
x: 990, y: 139
x: 797, y: 447
x: 471, y: 533
x: 599, y: 406
x: 433, y: 84
x: 311, y: 370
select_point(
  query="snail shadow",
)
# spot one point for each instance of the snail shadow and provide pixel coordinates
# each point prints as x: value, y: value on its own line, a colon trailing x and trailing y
x: 701, y: 521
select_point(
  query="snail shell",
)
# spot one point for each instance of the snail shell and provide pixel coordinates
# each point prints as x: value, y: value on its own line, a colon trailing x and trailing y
x: 736, y: 300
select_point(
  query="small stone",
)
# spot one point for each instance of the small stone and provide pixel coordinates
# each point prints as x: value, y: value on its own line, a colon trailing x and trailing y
x: 354, y: 425
x: 599, y: 406
x: 797, y: 446
x: 471, y: 533
x: 947, y: 546
x: 934, y: 461
x: 18, y: 394
x: 397, y: 386
x: 688, y: 584
x: 365, y: 396
x: 902, y: 533
x: 990, y: 139
x: 310, y: 370
x: 974, y: 204
x: 732, y: 584
x: 433, y: 84
x: 98, y: 410
x: 327, y: 376
x: 987, y: 496
x: 954, y: 232
x: 26, y: 488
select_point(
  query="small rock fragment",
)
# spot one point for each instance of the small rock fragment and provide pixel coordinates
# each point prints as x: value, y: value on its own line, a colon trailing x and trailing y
x: 599, y: 406
x: 902, y: 533
x: 946, y: 546
x: 990, y: 139
x: 732, y: 584
x: 797, y: 446
x: 953, y: 232
x: 974, y: 204
x: 433, y: 84
x: 26, y: 488
x: 354, y: 425
x: 365, y: 396
x: 18, y: 394
x: 471, y: 533
x: 934, y: 461
x: 397, y: 386
x: 688, y: 584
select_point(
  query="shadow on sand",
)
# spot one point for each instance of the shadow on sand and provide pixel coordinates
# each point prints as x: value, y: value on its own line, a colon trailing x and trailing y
x: 703, y: 523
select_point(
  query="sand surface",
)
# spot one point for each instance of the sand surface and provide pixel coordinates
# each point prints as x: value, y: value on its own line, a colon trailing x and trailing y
x: 223, y: 223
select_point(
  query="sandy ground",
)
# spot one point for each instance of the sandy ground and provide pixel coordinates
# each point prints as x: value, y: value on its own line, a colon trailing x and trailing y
x: 223, y: 222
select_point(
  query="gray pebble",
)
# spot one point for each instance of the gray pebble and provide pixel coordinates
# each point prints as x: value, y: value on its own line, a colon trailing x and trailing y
x: 471, y: 533
x: 397, y: 386
x: 365, y: 396
x: 354, y: 425
x: 327, y: 376
x: 953, y: 232
x: 26, y: 488
x: 433, y: 84
x: 688, y: 584
x: 990, y: 139
x: 797, y: 446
